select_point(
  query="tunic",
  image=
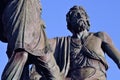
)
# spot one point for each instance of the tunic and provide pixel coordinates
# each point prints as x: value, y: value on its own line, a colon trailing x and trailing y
x: 74, y: 59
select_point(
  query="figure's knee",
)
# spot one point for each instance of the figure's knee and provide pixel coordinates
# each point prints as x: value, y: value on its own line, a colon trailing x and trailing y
x: 15, y: 66
x: 22, y: 55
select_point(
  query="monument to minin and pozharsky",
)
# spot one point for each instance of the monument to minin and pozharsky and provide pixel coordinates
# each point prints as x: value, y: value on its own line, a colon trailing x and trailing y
x: 76, y: 57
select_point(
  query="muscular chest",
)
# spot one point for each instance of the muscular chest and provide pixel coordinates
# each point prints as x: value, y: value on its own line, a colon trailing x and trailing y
x: 93, y: 43
x: 82, y: 53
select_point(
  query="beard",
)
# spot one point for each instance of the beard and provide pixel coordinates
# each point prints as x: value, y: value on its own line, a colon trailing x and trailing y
x: 79, y: 25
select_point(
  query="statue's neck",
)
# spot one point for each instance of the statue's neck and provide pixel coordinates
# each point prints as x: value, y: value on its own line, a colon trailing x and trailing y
x: 81, y: 35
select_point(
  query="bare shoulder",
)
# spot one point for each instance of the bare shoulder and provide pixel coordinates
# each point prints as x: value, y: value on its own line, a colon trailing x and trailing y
x: 103, y: 36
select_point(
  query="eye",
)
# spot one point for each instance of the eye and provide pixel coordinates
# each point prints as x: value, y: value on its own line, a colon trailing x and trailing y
x: 78, y: 15
x: 83, y: 13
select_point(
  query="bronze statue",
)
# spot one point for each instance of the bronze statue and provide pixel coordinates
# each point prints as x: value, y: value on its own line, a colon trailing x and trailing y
x: 76, y: 57
x: 23, y: 29
x: 82, y: 55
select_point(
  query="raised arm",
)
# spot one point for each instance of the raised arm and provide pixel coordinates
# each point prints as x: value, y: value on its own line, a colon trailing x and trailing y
x: 109, y: 48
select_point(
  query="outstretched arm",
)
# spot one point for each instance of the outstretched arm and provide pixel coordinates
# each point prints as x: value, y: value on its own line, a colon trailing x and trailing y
x: 109, y: 48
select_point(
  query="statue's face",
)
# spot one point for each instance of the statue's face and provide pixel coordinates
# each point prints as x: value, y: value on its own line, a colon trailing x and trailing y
x: 78, y: 21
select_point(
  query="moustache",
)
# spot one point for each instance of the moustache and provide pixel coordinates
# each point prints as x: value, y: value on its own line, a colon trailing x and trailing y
x: 81, y: 25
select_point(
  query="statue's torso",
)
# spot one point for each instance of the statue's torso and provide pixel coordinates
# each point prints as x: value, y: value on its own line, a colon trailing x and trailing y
x: 85, y: 59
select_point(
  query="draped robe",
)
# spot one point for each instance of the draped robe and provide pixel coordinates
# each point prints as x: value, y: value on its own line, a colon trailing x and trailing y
x: 71, y: 59
x: 23, y: 27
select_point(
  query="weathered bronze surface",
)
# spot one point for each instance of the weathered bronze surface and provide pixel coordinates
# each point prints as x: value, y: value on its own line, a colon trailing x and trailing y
x: 23, y: 29
x: 77, y: 57
x: 82, y: 56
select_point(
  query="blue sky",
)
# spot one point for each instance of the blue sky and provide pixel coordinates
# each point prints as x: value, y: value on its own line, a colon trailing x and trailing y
x: 104, y: 16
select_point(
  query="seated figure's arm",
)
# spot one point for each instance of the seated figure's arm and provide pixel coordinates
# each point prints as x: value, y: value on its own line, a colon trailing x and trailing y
x: 109, y: 48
